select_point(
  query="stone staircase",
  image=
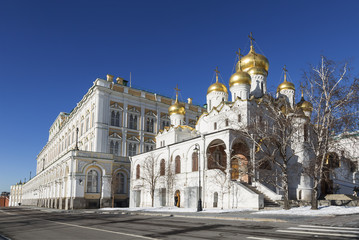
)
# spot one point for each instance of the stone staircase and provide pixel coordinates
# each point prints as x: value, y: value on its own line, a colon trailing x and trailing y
x: 268, y: 203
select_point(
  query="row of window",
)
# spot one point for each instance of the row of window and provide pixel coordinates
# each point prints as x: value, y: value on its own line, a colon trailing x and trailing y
x: 93, y: 183
x: 115, y: 148
x: 133, y: 121
x: 162, y: 167
x: 68, y: 140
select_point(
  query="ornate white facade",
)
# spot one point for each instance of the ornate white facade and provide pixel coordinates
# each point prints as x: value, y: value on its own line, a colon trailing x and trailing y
x: 85, y: 161
x: 193, y: 164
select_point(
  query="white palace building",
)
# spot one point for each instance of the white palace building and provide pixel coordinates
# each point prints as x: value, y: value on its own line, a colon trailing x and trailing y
x: 122, y: 146
x: 85, y: 162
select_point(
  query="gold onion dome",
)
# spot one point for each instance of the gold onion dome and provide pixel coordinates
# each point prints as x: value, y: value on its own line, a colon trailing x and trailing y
x: 240, y: 78
x: 305, y: 105
x: 176, y: 108
x: 285, y: 84
x: 253, y: 59
x: 217, y: 86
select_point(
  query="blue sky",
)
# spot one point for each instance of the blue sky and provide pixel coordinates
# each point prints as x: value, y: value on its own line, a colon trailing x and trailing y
x: 52, y: 51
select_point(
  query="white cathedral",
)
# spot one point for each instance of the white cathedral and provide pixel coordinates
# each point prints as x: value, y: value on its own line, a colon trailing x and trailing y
x: 202, y: 166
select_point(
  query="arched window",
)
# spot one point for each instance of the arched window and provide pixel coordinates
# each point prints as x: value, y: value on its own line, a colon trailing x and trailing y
x: 113, y: 116
x: 132, y: 149
x: 87, y: 124
x: 133, y: 122
x: 116, y: 149
x: 178, y: 164
x: 305, y: 132
x: 121, y: 183
x: 194, y: 161
x: 92, y: 181
x: 111, y: 147
x: 138, y: 171
x: 162, y: 167
x: 117, y: 119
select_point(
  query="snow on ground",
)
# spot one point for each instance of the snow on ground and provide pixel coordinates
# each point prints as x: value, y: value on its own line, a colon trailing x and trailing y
x: 322, y: 211
x: 174, y: 209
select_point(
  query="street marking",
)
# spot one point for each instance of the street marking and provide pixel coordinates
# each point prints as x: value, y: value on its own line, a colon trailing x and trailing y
x: 96, y: 229
x: 320, y: 233
x: 6, y: 212
x: 259, y: 238
x: 314, y: 226
x: 103, y: 230
x: 325, y: 230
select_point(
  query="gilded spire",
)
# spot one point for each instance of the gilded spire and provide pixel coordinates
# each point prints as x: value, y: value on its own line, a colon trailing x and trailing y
x: 217, y: 71
x: 251, y: 39
x: 177, y: 90
x: 285, y: 84
x: 301, y: 87
x: 285, y: 73
x: 239, y: 58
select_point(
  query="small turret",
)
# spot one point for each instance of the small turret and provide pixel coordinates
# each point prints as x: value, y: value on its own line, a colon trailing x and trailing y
x: 216, y: 93
x: 240, y: 82
x: 286, y: 89
x: 177, y: 111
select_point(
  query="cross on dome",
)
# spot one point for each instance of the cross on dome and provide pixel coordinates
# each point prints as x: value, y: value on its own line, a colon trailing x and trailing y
x: 251, y: 38
x: 217, y: 71
x: 285, y: 73
x: 177, y: 90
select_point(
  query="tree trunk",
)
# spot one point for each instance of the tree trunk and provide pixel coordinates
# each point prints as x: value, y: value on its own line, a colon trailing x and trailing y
x: 314, y: 201
x: 152, y: 197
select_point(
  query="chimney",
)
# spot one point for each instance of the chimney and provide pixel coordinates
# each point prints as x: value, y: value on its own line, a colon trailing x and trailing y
x: 119, y: 80
x: 189, y: 100
x: 109, y: 78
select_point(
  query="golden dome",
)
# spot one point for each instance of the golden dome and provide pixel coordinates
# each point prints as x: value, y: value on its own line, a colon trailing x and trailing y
x: 176, y: 108
x: 257, y: 70
x: 253, y: 59
x: 305, y: 105
x: 240, y: 77
x: 285, y: 84
x: 218, y: 87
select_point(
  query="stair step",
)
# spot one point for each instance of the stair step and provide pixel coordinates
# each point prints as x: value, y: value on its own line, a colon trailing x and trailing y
x: 267, y: 201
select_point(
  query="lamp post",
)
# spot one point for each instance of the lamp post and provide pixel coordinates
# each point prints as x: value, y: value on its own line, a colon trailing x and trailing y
x: 199, y: 206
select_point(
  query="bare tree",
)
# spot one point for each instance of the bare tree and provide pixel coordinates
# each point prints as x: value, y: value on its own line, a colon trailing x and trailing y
x: 334, y: 95
x: 220, y: 179
x: 151, y: 174
x: 170, y: 179
x: 273, y: 135
x: 115, y: 183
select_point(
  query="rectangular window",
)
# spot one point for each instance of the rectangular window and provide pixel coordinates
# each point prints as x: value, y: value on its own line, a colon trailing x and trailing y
x: 215, y: 126
x: 227, y: 122
x: 239, y: 118
x: 305, y: 132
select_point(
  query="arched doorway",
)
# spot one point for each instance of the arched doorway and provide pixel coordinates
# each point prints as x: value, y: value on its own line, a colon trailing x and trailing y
x: 216, y: 156
x: 240, y: 165
x: 178, y: 198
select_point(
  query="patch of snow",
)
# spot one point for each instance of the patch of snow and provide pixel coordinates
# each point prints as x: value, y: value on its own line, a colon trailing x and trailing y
x: 306, y: 211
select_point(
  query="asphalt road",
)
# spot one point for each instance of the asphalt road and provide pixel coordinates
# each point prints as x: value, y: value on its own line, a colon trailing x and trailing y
x: 26, y: 223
